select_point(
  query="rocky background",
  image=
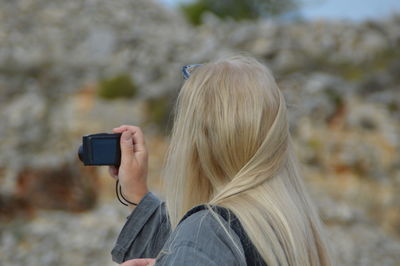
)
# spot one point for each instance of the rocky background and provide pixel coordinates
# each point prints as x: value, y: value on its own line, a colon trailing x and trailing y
x: 69, y: 68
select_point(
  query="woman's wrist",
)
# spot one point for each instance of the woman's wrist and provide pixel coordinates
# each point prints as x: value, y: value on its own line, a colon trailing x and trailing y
x: 136, y: 197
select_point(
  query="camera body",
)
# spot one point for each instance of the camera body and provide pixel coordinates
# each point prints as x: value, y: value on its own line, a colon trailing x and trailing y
x: 100, y: 149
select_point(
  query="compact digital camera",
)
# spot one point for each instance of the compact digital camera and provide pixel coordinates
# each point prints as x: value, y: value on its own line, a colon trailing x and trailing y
x: 100, y: 149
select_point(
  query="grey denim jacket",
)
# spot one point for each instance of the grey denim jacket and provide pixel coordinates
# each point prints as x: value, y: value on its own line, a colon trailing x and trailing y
x: 198, y: 240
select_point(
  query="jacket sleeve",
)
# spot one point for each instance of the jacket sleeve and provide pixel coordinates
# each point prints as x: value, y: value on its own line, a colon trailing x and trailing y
x: 145, y: 231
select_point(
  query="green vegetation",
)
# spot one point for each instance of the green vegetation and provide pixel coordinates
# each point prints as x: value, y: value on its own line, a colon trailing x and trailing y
x: 120, y: 86
x: 334, y: 96
x: 237, y: 9
x: 385, y: 60
x: 159, y: 110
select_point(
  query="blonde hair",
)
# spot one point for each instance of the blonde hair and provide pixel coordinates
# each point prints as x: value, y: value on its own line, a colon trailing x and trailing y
x: 231, y: 147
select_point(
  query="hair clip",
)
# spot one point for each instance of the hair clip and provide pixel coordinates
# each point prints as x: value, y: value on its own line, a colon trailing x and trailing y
x: 188, y: 69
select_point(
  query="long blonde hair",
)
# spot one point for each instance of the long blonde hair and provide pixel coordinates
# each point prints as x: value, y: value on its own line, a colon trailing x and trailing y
x: 231, y: 146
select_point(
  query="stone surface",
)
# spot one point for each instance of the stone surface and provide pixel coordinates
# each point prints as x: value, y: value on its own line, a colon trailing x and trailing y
x: 340, y: 80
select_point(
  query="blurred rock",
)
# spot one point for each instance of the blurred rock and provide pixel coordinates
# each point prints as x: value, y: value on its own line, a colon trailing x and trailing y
x: 340, y: 80
x: 59, y: 238
x: 363, y: 245
x: 66, y: 188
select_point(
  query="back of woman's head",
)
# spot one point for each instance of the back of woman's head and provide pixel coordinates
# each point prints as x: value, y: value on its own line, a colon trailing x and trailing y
x: 231, y: 147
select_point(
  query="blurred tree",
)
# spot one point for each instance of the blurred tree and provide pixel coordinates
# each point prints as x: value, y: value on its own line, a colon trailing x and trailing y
x: 159, y: 111
x: 120, y: 86
x: 237, y: 9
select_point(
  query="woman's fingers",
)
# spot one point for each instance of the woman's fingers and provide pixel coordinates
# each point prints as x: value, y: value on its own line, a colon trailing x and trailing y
x: 132, y: 173
x: 120, y: 129
x: 152, y: 262
x: 113, y: 171
x: 127, y: 148
x: 123, y: 128
x: 134, y: 130
x: 139, y: 262
x: 137, y: 136
x: 139, y: 144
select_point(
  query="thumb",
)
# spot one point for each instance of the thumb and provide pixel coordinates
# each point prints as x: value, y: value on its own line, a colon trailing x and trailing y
x: 126, y: 147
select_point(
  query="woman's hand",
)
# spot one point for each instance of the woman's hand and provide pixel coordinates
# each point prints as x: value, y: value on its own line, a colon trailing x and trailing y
x: 132, y: 173
x: 139, y: 262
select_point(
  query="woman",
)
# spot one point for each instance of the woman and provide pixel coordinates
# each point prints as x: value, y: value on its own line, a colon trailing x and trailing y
x: 231, y: 148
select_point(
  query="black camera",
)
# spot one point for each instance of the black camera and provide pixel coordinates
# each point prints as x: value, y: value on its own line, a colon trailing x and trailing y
x: 100, y: 149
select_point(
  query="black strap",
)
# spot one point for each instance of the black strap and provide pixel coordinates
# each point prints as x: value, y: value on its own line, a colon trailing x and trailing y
x: 253, y: 257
